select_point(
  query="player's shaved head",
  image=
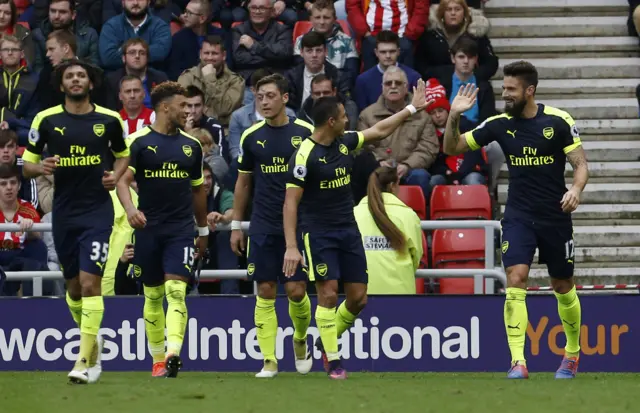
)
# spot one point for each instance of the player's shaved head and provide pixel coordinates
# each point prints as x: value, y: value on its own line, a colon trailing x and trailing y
x: 324, y: 109
x: 166, y: 91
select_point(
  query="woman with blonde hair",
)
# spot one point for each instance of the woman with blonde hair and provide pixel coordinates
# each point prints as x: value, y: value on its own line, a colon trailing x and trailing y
x: 391, y: 235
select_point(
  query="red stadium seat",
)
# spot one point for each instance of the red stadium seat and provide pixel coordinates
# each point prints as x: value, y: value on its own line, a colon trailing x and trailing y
x: 25, y: 24
x: 460, y: 202
x: 424, y: 263
x: 345, y: 26
x: 175, y: 27
x: 457, y: 248
x: 413, y: 196
x: 20, y: 150
x: 234, y: 24
x: 216, y: 24
x: 301, y: 27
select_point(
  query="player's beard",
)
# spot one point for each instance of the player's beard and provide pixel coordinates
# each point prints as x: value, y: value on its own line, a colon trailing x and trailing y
x: 517, y: 108
x: 78, y: 96
x: 63, y: 26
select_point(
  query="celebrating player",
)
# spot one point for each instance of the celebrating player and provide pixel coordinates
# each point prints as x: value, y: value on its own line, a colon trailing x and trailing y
x: 538, y: 140
x: 166, y: 164
x: 78, y: 135
x: 320, y: 182
x: 266, y: 148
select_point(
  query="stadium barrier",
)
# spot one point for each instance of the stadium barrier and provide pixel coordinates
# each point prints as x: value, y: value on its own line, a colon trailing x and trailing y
x: 483, y: 278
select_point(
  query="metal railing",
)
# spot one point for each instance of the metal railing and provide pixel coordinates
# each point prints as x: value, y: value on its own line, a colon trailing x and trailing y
x: 490, y: 272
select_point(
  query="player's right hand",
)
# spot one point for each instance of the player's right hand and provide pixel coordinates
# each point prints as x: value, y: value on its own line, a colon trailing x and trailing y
x: 136, y: 218
x: 465, y: 99
x: 292, y: 258
x: 237, y: 242
x: 50, y: 164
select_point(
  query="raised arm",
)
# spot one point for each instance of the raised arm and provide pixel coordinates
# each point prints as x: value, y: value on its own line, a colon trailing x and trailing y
x: 386, y: 127
x: 466, y: 98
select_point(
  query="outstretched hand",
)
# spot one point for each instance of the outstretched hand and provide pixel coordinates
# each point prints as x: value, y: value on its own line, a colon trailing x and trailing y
x: 419, y: 99
x: 465, y: 99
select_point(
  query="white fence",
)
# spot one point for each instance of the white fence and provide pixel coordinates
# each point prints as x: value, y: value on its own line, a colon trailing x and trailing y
x: 483, y: 278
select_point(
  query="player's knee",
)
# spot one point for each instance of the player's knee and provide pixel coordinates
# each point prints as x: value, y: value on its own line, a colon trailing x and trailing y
x: 517, y: 276
x: 296, y: 291
x: 328, y: 298
x: 357, y: 302
x: 267, y: 290
x: 562, y: 286
x: 90, y: 286
x: 175, y: 291
x: 74, y: 290
x: 154, y: 295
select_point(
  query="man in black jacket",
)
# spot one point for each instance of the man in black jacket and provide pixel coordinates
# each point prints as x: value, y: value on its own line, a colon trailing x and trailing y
x: 314, y: 55
x: 322, y: 86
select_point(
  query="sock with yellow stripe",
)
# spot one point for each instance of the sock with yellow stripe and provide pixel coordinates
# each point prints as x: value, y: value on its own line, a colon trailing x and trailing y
x: 153, y: 314
x: 75, y: 307
x: 300, y: 313
x: 344, y: 319
x: 326, y: 322
x: 92, y: 312
x: 176, y: 292
x: 570, y: 313
x: 516, y: 321
x: 266, y: 321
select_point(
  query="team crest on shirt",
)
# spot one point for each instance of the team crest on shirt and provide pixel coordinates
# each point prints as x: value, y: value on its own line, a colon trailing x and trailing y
x: 548, y: 133
x: 296, y: 141
x: 187, y: 150
x: 34, y: 135
x: 137, y: 271
x: 321, y: 269
x: 505, y: 246
x: 251, y: 268
x: 343, y: 149
x: 98, y: 129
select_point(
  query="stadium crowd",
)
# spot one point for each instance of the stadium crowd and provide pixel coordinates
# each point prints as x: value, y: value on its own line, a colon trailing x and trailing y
x: 368, y: 53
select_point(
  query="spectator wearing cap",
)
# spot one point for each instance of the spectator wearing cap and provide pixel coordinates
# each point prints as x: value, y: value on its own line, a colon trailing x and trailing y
x: 449, y: 21
x: 9, y: 26
x: 314, y: 55
x: 134, y: 22
x: 414, y: 145
x: 467, y: 168
x: 322, y: 86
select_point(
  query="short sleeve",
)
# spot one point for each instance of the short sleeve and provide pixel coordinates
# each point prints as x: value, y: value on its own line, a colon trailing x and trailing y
x: 37, y: 140
x: 482, y: 135
x: 246, y: 161
x: 570, y: 135
x: 297, y: 171
x: 353, y: 140
x: 197, y: 175
x: 117, y: 138
x: 133, y: 155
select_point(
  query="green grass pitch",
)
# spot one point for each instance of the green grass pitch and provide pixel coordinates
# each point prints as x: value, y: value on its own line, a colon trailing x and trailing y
x: 362, y: 392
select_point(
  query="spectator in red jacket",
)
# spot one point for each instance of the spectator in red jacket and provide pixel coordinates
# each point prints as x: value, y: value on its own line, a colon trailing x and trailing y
x: 406, y: 18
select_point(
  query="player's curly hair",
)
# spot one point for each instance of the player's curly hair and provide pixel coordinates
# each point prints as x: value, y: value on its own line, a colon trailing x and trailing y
x: 94, y: 72
x: 166, y: 90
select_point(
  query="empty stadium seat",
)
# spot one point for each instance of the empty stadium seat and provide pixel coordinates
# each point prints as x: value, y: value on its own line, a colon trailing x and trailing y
x: 413, y: 196
x: 301, y: 27
x: 460, y: 202
x: 25, y: 24
x: 175, y: 27
x: 216, y: 24
x: 457, y: 248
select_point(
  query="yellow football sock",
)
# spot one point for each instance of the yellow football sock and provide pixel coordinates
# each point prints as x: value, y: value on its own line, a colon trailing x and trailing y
x: 75, y: 307
x: 516, y: 321
x: 266, y: 321
x: 153, y: 314
x: 300, y: 313
x: 92, y: 312
x: 570, y: 311
x: 176, y: 292
x: 344, y: 319
x: 326, y: 322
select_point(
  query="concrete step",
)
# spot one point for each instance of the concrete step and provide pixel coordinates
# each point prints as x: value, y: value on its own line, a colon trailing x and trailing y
x: 579, y: 87
x: 553, y: 7
x: 510, y: 27
x: 592, y: 108
x: 581, y: 68
x: 598, y: 151
x: 564, y: 46
x: 600, y: 273
x: 607, y: 236
x: 598, y: 169
x: 601, y: 193
x: 604, y: 211
x: 586, y: 137
x: 609, y: 127
x: 604, y: 254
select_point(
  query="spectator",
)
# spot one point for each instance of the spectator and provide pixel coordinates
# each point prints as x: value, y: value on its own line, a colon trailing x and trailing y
x: 188, y: 42
x: 198, y: 119
x: 321, y: 86
x: 134, y: 114
x: 369, y: 83
x: 136, y: 58
x: 341, y: 48
x: 17, y: 92
x: 453, y: 19
x: 44, y: 184
x: 414, y: 145
x: 125, y: 281
x: 28, y: 190
x: 228, y: 12
x: 223, y: 89
x: 62, y: 16
x: 314, y: 55
x: 165, y: 10
x: 466, y: 168
x: 261, y: 42
x: 19, y: 251
x: 211, y: 153
x: 134, y: 22
x: 61, y: 45
x: 246, y: 116
x: 391, y: 235
x: 464, y: 55
x: 406, y: 18
x: 9, y: 26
